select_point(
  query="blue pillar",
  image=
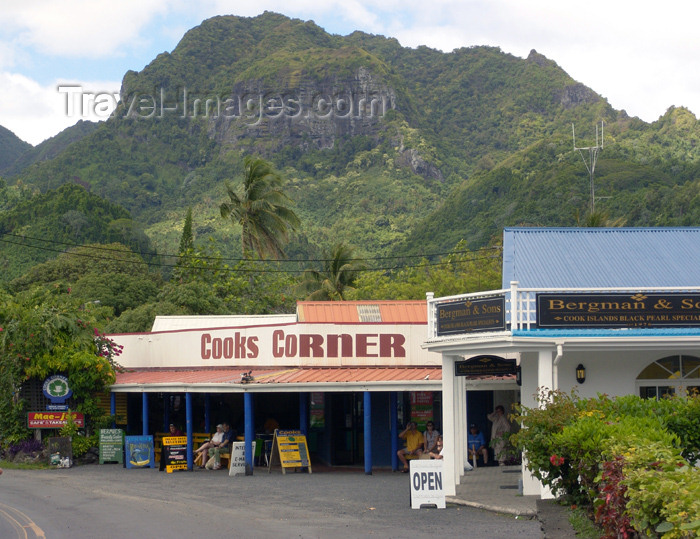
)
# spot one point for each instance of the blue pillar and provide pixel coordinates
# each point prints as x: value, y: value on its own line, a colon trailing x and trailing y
x: 144, y: 413
x: 394, y: 419
x: 207, y: 412
x: 368, y: 432
x: 166, y: 412
x: 249, y: 431
x: 304, y: 413
x: 188, y: 420
x: 113, y: 408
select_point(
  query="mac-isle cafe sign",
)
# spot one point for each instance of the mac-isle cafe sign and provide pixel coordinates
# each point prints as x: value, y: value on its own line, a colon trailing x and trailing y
x: 472, y: 315
x: 628, y: 310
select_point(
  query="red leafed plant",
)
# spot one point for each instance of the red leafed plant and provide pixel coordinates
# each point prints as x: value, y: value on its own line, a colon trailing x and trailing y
x: 611, y: 504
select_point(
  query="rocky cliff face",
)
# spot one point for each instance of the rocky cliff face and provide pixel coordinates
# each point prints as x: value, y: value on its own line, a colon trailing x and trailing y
x: 308, y: 114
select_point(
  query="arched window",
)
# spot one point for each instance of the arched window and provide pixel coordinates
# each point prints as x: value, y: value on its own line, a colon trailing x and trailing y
x: 669, y: 375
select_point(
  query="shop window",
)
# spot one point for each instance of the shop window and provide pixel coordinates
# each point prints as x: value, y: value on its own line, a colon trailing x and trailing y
x: 682, y: 371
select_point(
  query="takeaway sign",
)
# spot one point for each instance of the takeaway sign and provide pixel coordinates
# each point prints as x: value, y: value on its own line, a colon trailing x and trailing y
x: 53, y: 420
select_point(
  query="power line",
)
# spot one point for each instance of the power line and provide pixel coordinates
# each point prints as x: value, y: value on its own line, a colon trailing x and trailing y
x: 231, y: 259
x: 229, y: 269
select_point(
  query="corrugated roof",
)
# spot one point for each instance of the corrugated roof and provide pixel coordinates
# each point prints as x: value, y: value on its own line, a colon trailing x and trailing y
x: 601, y: 257
x: 340, y: 312
x: 282, y: 375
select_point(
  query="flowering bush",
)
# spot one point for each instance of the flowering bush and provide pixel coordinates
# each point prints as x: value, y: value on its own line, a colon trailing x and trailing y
x: 624, y: 455
x: 25, y: 446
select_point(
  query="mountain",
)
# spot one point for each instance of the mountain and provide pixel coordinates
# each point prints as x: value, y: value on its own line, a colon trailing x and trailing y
x: 11, y: 148
x: 391, y: 149
x: 51, y: 147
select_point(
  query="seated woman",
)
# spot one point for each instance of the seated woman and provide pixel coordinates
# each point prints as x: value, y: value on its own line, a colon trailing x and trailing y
x: 214, y: 463
x: 215, y: 441
x: 430, y: 437
x: 437, y: 453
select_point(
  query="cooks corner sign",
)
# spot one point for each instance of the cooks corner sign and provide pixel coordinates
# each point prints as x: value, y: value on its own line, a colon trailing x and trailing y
x: 304, y: 345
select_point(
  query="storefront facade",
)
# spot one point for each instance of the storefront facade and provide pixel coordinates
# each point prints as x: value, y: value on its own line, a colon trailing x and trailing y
x: 347, y: 374
x: 612, y: 311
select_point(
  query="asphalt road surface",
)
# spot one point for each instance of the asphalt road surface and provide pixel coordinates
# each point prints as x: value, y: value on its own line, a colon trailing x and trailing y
x: 108, y: 501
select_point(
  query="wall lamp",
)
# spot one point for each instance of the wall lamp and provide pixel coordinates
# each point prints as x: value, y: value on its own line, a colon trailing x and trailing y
x: 580, y: 374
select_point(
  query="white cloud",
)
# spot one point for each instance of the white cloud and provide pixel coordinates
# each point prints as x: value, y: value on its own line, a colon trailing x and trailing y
x: 34, y: 112
x: 79, y: 28
x: 641, y: 57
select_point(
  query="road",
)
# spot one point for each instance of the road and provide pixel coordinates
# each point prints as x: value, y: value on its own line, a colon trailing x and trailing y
x: 108, y: 501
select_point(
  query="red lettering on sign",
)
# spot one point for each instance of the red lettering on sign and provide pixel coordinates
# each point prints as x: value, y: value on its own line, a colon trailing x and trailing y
x: 392, y: 345
x: 253, y: 347
x: 277, y: 336
x: 206, y: 339
x: 364, y: 343
x: 345, y: 342
x: 310, y: 346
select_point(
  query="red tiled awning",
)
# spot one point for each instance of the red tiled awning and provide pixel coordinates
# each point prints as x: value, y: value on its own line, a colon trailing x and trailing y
x: 230, y: 379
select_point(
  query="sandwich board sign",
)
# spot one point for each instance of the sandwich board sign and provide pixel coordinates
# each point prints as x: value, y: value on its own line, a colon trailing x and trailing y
x: 426, y: 484
x: 111, y: 445
x: 175, y: 453
x: 289, y: 450
x: 238, y: 458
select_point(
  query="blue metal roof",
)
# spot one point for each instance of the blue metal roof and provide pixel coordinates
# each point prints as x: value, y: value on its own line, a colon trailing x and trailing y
x: 621, y: 332
x: 601, y: 257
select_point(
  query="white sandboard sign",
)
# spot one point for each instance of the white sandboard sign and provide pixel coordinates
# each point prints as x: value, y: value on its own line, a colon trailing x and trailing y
x: 427, y: 484
x: 238, y: 458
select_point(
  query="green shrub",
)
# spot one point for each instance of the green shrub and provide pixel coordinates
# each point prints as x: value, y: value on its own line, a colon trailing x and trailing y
x: 663, y: 491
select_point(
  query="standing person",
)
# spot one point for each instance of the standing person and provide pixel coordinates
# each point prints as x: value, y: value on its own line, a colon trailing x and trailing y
x: 414, y: 444
x: 500, y: 427
x: 430, y: 437
x: 477, y: 444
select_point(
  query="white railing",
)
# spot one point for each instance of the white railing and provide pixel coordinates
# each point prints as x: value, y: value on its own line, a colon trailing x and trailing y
x: 521, y: 303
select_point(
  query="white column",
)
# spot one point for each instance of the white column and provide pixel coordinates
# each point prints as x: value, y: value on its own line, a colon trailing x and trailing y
x: 461, y: 430
x: 448, y: 424
x: 544, y: 369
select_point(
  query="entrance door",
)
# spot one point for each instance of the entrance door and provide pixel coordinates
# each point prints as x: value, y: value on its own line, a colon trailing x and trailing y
x: 345, y: 421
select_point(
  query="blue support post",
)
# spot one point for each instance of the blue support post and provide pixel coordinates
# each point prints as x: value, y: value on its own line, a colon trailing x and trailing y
x: 113, y: 408
x: 166, y: 412
x: 368, y: 432
x: 144, y: 413
x: 188, y: 420
x: 207, y: 412
x: 304, y: 413
x: 249, y: 431
x: 394, y: 419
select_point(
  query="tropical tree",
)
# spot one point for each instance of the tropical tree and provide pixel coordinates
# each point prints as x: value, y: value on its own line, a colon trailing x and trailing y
x: 262, y: 209
x: 338, y: 276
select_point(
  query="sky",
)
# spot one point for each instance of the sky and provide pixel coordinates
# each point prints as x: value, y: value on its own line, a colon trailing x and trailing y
x: 639, y: 55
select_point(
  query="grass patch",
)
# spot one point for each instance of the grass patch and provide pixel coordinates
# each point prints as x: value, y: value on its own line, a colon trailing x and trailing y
x: 7, y: 465
x: 582, y: 523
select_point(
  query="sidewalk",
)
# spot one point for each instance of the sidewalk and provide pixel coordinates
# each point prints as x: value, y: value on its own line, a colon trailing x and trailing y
x: 495, y: 488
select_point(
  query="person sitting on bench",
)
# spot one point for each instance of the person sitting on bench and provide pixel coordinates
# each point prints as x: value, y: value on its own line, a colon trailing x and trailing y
x: 477, y: 444
x: 414, y: 445
x: 214, y: 462
x: 214, y: 442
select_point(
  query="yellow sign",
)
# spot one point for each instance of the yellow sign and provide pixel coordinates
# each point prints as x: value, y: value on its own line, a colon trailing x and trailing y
x: 175, y: 453
x: 289, y: 450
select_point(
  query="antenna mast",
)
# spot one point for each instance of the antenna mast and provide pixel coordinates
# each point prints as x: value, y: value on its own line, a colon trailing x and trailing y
x: 592, y: 156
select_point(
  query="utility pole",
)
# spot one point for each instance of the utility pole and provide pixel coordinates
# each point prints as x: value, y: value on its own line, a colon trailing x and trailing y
x: 592, y: 156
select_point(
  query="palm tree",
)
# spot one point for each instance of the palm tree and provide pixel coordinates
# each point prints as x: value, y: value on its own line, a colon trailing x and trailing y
x: 598, y: 218
x: 338, y: 275
x: 261, y: 208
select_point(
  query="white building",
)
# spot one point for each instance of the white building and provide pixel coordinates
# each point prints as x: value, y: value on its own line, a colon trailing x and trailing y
x: 602, y: 310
